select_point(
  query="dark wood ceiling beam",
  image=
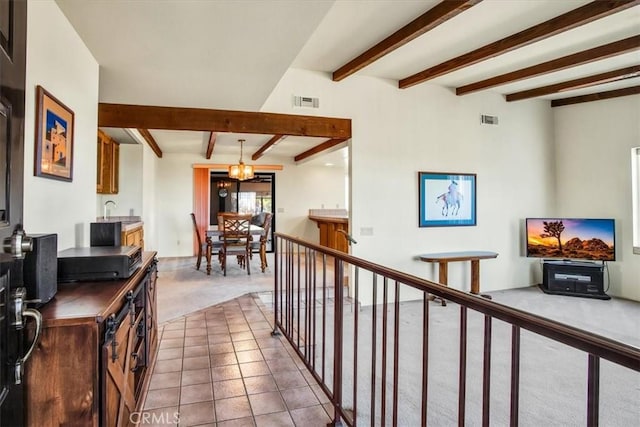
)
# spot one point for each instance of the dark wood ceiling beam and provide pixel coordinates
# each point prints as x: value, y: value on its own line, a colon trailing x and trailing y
x: 319, y: 148
x: 567, y: 21
x: 435, y: 16
x: 266, y: 147
x: 151, y: 141
x: 601, y: 52
x: 597, y: 79
x: 633, y: 90
x: 205, y: 120
x: 211, y: 144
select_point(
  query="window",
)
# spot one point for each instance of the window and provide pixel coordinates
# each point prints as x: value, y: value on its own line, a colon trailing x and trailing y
x: 635, y: 186
x: 246, y: 202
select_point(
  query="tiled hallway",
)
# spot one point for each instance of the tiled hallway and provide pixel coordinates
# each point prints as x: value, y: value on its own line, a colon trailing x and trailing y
x: 221, y: 367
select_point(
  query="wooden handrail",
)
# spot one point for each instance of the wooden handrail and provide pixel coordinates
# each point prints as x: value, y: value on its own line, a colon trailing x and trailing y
x: 597, y: 345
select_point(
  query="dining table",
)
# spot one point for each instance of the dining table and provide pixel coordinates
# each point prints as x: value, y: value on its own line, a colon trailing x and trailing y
x: 213, y: 233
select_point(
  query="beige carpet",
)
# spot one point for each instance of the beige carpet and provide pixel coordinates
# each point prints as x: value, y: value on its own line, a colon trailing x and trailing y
x: 182, y: 289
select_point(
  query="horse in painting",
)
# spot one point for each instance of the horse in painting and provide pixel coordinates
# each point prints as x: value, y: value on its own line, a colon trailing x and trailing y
x: 451, y: 200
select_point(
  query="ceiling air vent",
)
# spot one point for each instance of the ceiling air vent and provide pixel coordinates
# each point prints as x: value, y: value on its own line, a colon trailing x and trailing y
x: 306, y: 101
x: 488, y: 120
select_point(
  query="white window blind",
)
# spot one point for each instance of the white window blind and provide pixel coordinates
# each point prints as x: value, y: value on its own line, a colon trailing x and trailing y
x: 247, y: 202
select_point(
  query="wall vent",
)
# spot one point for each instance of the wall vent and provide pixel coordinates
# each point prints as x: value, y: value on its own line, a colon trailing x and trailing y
x: 488, y: 120
x: 306, y: 101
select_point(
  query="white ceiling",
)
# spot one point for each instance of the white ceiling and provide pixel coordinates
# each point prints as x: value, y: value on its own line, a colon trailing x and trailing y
x: 227, y: 54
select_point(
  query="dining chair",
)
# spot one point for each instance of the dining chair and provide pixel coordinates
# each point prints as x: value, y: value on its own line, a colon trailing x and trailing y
x: 236, y: 241
x: 202, y: 246
x: 221, y: 215
x: 261, y: 244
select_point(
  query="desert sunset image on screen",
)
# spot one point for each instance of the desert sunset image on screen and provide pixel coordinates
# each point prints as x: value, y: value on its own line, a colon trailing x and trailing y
x: 582, y: 238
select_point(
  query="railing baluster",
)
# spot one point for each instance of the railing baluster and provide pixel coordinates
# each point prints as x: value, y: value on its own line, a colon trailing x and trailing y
x: 486, y: 372
x: 355, y: 347
x: 314, y: 314
x: 593, y: 391
x: 309, y: 336
x: 295, y: 257
x: 396, y: 344
x: 324, y: 313
x: 284, y: 306
x: 515, y: 375
x: 307, y: 306
x: 298, y: 305
x: 278, y: 267
x: 425, y: 357
x: 337, y: 339
x: 282, y: 282
x: 383, y: 385
x: 287, y: 285
x: 290, y: 289
x: 462, y: 382
x: 291, y: 293
x: 276, y: 275
x: 373, y: 349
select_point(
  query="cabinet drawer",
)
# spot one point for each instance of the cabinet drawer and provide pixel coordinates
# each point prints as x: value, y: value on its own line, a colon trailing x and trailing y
x: 133, y: 237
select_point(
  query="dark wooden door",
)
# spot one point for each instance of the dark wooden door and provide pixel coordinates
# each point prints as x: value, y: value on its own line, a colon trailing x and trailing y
x: 13, y: 35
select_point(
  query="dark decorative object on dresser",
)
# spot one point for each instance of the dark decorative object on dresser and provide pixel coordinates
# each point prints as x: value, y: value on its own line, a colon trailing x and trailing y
x: 41, y: 268
x: 106, y: 233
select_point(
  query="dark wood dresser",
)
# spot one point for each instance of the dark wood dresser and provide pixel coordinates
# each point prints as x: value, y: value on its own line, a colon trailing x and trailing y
x: 93, y: 361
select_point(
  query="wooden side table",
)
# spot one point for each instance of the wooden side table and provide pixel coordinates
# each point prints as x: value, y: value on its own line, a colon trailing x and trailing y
x: 444, y: 258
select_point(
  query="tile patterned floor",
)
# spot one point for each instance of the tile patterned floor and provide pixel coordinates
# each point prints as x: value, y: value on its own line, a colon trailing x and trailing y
x: 221, y: 367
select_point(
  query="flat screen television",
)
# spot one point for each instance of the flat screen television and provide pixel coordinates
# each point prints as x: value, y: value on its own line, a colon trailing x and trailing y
x: 571, y: 238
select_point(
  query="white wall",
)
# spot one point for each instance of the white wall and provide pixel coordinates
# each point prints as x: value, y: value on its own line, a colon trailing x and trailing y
x: 58, y: 60
x: 303, y: 187
x: 397, y: 133
x: 150, y: 171
x: 174, y: 203
x: 593, y: 150
x: 129, y: 197
x: 635, y: 169
x: 298, y: 189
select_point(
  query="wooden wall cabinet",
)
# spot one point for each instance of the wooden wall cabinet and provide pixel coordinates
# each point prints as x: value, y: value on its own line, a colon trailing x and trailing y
x: 93, y: 362
x: 108, y: 166
x: 133, y: 237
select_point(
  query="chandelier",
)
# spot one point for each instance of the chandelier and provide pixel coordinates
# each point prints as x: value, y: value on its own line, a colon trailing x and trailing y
x: 241, y: 171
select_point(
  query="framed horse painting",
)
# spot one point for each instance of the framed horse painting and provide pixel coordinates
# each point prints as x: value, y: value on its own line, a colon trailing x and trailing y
x: 446, y: 199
